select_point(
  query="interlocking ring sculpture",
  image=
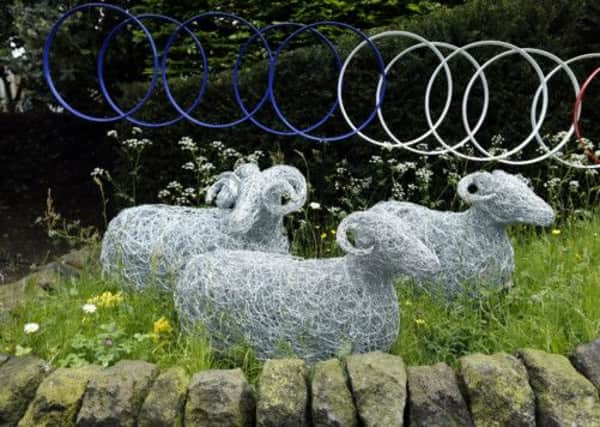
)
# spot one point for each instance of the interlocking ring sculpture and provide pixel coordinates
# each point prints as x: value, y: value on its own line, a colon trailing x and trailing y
x: 159, y: 63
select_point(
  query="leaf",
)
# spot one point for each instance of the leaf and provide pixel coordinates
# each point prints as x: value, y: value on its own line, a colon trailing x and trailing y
x: 22, y: 351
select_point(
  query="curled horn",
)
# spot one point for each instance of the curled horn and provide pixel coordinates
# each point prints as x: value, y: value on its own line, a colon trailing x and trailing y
x: 470, y: 188
x: 358, y: 223
x: 225, y: 190
x: 284, y: 180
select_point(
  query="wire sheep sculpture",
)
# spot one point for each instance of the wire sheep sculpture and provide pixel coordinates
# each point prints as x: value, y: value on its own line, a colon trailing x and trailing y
x: 149, y: 244
x: 312, y: 308
x: 473, y: 246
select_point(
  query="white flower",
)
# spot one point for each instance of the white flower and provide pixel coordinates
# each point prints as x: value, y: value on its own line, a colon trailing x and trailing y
x: 189, y: 166
x: 135, y: 143
x: 187, y: 144
x: 18, y: 52
x: 217, y: 145
x: 112, y: 133
x: 56, y: 108
x: 98, y: 172
x: 574, y: 185
x: 136, y: 130
x: 89, y: 308
x: 174, y: 185
x: 31, y: 328
x: 315, y: 205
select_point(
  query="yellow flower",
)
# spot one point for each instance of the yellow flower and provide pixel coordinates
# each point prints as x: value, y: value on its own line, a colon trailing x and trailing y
x: 332, y: 232
x: 323, y: 235
x: 106, y: 299
x: 162, y: 326
x: 420, y: 322
x: 556, y: 231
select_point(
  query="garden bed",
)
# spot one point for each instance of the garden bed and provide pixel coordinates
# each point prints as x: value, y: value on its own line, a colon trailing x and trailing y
x: 84, y: 318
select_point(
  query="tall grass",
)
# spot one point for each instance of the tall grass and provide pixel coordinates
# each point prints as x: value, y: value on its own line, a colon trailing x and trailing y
x: 554, y: 305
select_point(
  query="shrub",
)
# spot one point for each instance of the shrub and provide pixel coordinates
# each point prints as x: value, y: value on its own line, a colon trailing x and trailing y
x: 305, y: 88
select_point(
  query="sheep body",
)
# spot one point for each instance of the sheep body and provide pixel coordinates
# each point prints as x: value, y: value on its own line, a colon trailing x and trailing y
x: 148, y: 245
x: 314, y: 309
x: 472, y: 246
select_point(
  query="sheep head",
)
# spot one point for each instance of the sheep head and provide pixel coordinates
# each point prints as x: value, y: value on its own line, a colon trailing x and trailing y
x: 384, y: 239
x: 252, y: 195
x: 505, y: 198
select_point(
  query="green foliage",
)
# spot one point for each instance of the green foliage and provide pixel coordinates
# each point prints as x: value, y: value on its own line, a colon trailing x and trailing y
x: 305, y: 87
x: 552, y: 306
x: 26, y: 23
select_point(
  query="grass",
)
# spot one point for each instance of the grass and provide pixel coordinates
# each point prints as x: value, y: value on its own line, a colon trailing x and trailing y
x: 554, y: 305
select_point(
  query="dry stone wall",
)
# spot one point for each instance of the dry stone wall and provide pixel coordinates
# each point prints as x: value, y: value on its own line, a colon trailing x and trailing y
x: 528, y: 388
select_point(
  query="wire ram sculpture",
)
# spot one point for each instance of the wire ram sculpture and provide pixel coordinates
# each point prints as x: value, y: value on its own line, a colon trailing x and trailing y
x: 312, y: 308
x: 147, y: 245
x: 472, y: 246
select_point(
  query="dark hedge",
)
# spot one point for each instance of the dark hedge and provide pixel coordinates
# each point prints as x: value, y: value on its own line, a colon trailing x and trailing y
x: 305, y: 87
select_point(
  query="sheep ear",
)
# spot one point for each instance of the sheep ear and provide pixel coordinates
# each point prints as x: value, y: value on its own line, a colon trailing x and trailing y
x: 354, y: 222
x: 473, y: 188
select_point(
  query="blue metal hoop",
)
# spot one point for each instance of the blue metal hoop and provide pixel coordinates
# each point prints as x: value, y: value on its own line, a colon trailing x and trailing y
x: 380, y: 63
x: 100, y: 70
x: 238, y: 98
x: 165, y: 79
x: 48, y: 74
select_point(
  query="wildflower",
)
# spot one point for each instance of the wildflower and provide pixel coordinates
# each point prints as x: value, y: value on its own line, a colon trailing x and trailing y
x: 574, y: 185
x: 18, y: 52
x: 314, y: 205
x: 163, y: 194
x: 497, y: 140
x: 112, y: 133
x: 424, y: 175
x: 420, y: 322
x: 136, y: 130
x: 332, y: 232
x: 162, y: 326
x: 218, y: 145
x: 187, y: 144
x: 135, y: 143
x: 89, y: 308
x: 376, y: 160
x: 556, y: 231
x: 106, y: 299
x: 174, y: 185
x: 323, y: 235
x: 189, y: 166
x: 97, y: 172
x: 31, y: 328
